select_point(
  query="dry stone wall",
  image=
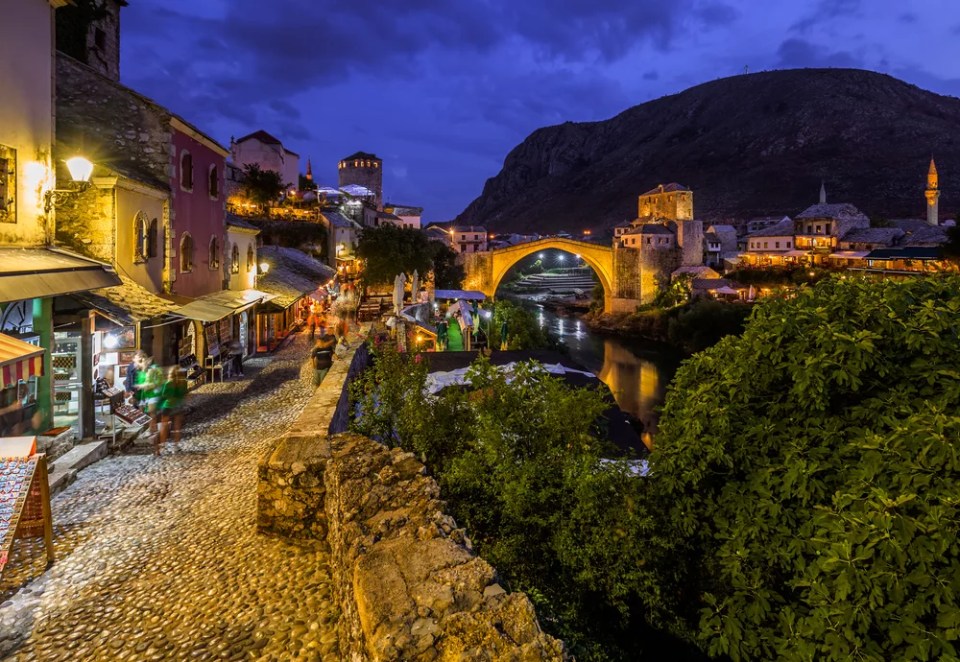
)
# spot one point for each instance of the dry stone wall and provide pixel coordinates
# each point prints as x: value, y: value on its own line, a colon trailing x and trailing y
x: 409, y: 585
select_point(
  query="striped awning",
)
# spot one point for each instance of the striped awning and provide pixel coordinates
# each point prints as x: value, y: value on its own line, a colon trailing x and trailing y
x: 18, y: 360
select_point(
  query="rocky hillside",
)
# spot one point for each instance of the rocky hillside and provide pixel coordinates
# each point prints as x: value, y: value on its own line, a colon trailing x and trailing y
x: 750, y: 145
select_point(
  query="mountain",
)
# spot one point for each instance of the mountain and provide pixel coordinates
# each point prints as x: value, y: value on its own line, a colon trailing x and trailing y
x: 751, y: 145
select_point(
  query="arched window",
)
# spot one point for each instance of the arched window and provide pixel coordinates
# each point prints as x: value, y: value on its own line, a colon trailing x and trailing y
x: 140, y: 237
x: 251, y: 258
x: 235, y: 260
x: 213, y: 183
x: 186, y: 252
x: 214, y: 259
x: 152, y: 236
x: 186, y: 171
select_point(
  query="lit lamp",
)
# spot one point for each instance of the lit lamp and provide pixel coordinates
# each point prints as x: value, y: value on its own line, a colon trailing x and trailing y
x: 264, y: 268
x: 80, y: 170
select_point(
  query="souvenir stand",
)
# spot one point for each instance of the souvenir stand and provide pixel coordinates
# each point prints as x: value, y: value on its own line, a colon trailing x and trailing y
x: 24, y: 496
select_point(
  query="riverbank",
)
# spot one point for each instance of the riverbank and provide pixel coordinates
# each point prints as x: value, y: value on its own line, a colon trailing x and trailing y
x: 687, y: 329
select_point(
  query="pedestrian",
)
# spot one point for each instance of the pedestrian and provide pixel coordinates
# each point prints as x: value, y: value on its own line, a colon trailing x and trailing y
x: 172, y: 394
x: 149, y: 382
x: 322, y: 357
x: 236, y: 357
x: 131, y: 379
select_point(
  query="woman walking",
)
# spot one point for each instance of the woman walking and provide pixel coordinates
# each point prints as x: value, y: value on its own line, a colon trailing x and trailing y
x: 172, y: 394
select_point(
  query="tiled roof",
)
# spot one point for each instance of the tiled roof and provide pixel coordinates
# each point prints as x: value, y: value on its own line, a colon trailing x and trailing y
x: 667, y: 188
x: 906, y: 253
x: 470, y: 228
x: 654, y: 228
x: 403, y: 210
x: 237, y: 222
x: 929, y: 235
x: 873, y: 235
x: 126, y: 303
x: 292, y: 274
x: 714, y: 283
x: 260, y: 135
x: 387, y: 215
x: 711, y: 237
x: 722, y: 228
x: 781, y: 229
x: 910, y: 224
x: 837, y: 211
x: 338, y: 220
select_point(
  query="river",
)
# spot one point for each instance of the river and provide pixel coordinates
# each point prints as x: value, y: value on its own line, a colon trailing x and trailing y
x: 637, y: 372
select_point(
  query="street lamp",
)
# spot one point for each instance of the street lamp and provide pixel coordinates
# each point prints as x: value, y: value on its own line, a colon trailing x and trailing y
x: 80, y: 170
x: 264, y: 268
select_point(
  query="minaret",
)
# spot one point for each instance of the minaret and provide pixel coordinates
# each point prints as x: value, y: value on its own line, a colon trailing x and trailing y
x: 309, y: 170
x: 933, y: 195
x: 823, y: 193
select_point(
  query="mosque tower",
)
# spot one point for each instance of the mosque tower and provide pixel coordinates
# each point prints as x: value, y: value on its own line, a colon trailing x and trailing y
x: 309, y: 175
x: 933, y: 194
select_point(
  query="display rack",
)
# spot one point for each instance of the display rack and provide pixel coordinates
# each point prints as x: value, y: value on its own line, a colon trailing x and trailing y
x: 24, y: 496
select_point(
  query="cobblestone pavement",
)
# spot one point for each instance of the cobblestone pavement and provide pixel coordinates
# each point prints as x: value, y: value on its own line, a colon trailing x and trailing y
x: 159, y: 559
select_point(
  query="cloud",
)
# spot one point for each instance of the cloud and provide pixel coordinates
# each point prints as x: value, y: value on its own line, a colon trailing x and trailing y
x: 717, y: 14
x: 795, y: 53
x: 826, y: 11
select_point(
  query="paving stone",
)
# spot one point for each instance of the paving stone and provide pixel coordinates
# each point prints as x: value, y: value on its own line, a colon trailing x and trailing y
x: 158, y: 558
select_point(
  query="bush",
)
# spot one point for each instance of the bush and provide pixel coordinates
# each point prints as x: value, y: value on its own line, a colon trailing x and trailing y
x: 805, y: 478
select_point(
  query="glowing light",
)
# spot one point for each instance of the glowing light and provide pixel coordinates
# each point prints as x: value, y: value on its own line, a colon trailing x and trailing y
x: 80, y: 168
x: 562, y: 257
x: 540, y: 256
x: 264, y: 268
x: 111, y: 341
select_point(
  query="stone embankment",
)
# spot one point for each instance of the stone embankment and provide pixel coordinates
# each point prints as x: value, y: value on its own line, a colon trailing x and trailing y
x: 406, y: 581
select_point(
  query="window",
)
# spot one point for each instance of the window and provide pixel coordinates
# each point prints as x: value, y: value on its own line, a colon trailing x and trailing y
x: 776, y: 244
x: 213, y: 183
x: 235, y: 260
x: 140, y: 237
x: 186, y: 252
x: 818, y: 229
x: 765, y: 244
x: 8, y: 185
x: 827, y: 227
x: 476, y: 237
x: 152, y: 235
x: 788, y: 244
x: 214, y: 257
x: 186, y: 171
x: 648, y: 240
x: 251, y: 258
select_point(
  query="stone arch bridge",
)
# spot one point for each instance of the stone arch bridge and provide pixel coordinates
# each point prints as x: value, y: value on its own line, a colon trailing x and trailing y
x: 485, y: 269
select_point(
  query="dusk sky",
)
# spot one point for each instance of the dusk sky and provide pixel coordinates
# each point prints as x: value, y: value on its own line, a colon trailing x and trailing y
x: 441, y: 90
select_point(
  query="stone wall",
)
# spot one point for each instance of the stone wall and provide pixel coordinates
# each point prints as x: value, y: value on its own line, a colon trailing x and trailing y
x: 409, y: 585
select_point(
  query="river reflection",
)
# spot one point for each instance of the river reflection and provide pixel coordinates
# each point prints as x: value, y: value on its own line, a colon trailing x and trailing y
x: 636, y: 372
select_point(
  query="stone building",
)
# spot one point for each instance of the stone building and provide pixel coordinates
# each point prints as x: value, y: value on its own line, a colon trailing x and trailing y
x: 408, y: 216
x: 268, y: 153
x: 363, y: 169
x: 95, y: 44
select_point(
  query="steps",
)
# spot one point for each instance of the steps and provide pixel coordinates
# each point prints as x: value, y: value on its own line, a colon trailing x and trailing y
x: 63, y: 470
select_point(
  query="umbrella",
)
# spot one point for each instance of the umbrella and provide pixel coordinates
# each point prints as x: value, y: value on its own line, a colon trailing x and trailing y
x: 726, y: 290
x: 751, y: 294
x: 415, y: 287
x: 398, y: 292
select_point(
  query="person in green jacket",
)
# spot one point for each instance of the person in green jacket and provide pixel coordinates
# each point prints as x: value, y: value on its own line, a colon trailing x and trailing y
x: 172, y: 394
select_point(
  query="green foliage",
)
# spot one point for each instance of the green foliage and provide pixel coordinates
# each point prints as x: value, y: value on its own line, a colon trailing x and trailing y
x: 703, y: 323
x: 674, y: 294
x: 448, y: 273
x: 388, y: 250
x: 262, y: 187
x: 519, y: 464
x: 292, y: 234
x: 805, y: 479
x: 951, y: 249
x: 523, y: 329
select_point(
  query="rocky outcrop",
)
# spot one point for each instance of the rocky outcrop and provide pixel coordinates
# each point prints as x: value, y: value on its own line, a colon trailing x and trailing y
x: 750, y: 145
x: 408, y: 584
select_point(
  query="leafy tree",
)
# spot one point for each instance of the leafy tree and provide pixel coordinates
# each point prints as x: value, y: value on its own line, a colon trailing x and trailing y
x: 523, y: 330
x: 805, y: 479
x: 448, y: 273
x: 951, y: 249
x: 262, y: 187
x: 388, y: 250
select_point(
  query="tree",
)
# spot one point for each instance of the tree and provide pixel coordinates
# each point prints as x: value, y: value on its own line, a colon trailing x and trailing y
x: 805, y: 479
x: 523, y: 330
x: 262, y: 187
x: 951, y: 249
x: 388, y: 250
x: 448, y: 273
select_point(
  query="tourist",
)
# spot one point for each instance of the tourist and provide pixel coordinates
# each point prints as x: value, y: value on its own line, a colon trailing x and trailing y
x: 149, y: 383
x: 172, y: 394
x: 131, y: 379
x: 322, y: 356
x: 235, y: 350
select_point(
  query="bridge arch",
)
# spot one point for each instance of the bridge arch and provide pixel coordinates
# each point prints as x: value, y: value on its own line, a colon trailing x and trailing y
x: 499, y: 261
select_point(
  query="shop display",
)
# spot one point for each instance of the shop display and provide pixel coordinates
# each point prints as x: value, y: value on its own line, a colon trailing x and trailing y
x: 24, y: 495
x: 130, y: 414
x: 16, y: 474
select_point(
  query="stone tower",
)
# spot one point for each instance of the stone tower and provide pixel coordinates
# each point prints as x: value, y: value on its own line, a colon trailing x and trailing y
x: 366, y: 170
x: 933, y: 195
x: 95, y: 42
x: 671, y: 202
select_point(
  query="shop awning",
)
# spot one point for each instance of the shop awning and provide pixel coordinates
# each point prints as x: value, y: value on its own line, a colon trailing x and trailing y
x: 18, y: 360
x: 127, y: 303
x: 214, y: 307
x: 27, y: 273
x: 849, y: 255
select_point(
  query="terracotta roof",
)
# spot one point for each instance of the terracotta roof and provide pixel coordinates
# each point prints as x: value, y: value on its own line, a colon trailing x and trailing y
x: 260, y: 135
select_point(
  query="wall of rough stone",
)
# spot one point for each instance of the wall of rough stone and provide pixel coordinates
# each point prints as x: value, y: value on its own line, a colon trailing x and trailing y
x: 409, y: 585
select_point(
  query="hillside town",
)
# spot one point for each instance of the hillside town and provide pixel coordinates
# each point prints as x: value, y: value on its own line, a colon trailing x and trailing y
x: 230, y: 404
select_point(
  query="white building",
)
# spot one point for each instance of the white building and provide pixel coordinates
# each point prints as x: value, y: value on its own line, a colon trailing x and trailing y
x: 269, y: 153
x: 469, y: 239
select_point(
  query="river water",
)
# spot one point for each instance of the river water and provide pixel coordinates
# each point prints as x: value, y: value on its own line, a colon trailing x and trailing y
x: 637, y: 372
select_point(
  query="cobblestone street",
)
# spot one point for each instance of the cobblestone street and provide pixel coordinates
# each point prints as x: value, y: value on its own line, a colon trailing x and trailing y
x: 159, y: 559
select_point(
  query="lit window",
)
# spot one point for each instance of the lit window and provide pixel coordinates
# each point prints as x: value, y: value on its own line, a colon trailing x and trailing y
x: 251, y: 258
x: 235, y: 260
x: 186, y: 171
x: 214, y: 257
x: 186, y: 252
x: 8, y: 185
x: 140, y: 237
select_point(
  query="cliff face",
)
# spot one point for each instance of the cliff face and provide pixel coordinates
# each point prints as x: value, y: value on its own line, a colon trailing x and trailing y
x: 751, y: 145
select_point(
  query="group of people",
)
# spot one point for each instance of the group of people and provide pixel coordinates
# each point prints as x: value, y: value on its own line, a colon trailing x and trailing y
x: 161, y: 397
x: 330, y: 339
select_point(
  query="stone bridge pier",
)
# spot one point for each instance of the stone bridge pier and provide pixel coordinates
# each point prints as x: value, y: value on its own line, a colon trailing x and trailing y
x: 617, y: 268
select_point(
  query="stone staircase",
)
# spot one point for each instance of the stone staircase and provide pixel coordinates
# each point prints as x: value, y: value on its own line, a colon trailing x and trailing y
x: 63, y: 470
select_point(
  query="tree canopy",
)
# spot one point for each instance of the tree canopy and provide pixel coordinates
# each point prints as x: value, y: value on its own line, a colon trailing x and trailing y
x: 262, y: 186
x: 388, y: 250
x: 805, y: 478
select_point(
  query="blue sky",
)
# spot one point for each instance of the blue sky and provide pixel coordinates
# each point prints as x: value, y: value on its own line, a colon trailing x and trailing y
x: 441, y: 90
